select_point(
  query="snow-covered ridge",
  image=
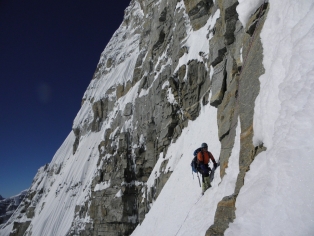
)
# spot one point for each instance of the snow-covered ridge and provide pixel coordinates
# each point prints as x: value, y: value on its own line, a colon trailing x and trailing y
x: 116, y: 64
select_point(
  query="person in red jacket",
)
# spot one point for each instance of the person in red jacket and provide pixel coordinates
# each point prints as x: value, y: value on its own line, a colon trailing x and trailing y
x: 203, y: 158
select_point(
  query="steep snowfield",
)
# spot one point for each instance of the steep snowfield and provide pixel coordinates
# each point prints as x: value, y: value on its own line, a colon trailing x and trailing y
x: 68, y: 189
x: 123, y: 51
x: 61, y: 192
x: 180, y: 209
x: 278, y: 195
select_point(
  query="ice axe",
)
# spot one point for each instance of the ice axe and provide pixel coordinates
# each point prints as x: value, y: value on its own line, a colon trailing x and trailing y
x: 199, y: 180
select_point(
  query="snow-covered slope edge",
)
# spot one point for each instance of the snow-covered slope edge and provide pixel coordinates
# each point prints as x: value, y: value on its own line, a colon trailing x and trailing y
x: 277, y: 198
x: 61, y: 186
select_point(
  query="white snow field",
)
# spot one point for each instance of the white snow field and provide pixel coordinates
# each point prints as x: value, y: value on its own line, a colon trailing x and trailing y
x: 180, y: 209
x: 278, y: 195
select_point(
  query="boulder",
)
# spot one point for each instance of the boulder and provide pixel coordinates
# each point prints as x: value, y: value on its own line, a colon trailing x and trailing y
x: 128, y: 109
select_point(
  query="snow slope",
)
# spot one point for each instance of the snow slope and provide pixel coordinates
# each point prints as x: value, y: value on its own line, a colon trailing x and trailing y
x: 180, y: 209
x: 57, y: 205
x: 123, y: 50
x: 66, y: 181
x: 278, y: 195
x: 278, y: 188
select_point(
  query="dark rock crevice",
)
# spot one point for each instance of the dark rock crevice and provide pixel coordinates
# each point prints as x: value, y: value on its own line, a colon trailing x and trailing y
x: 198, y: 12
x: 231, y: 17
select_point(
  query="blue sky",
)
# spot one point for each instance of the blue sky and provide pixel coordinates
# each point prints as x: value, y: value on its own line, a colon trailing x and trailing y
x: 49, y: 51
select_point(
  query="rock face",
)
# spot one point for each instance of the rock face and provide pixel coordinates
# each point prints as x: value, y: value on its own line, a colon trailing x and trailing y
x: 144, y: 91
x: 9, y: 205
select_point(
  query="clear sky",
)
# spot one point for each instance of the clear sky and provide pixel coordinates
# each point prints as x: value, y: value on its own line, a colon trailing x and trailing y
x: 49, y: 51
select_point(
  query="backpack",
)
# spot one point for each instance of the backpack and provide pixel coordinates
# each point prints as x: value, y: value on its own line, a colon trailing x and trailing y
x: 194, y: 163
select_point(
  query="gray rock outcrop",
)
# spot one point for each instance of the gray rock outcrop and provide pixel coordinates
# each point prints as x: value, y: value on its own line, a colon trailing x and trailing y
x: 9, y: 205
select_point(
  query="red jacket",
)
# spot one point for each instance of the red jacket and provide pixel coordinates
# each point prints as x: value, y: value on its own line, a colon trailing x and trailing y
x: 204, y: 156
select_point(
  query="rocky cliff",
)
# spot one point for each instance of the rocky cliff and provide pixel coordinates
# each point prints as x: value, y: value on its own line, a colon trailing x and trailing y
x: 168, y: 61
x: 9, y: 205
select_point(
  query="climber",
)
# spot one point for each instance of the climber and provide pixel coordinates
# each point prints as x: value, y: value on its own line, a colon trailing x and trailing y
x: 203, y: 157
